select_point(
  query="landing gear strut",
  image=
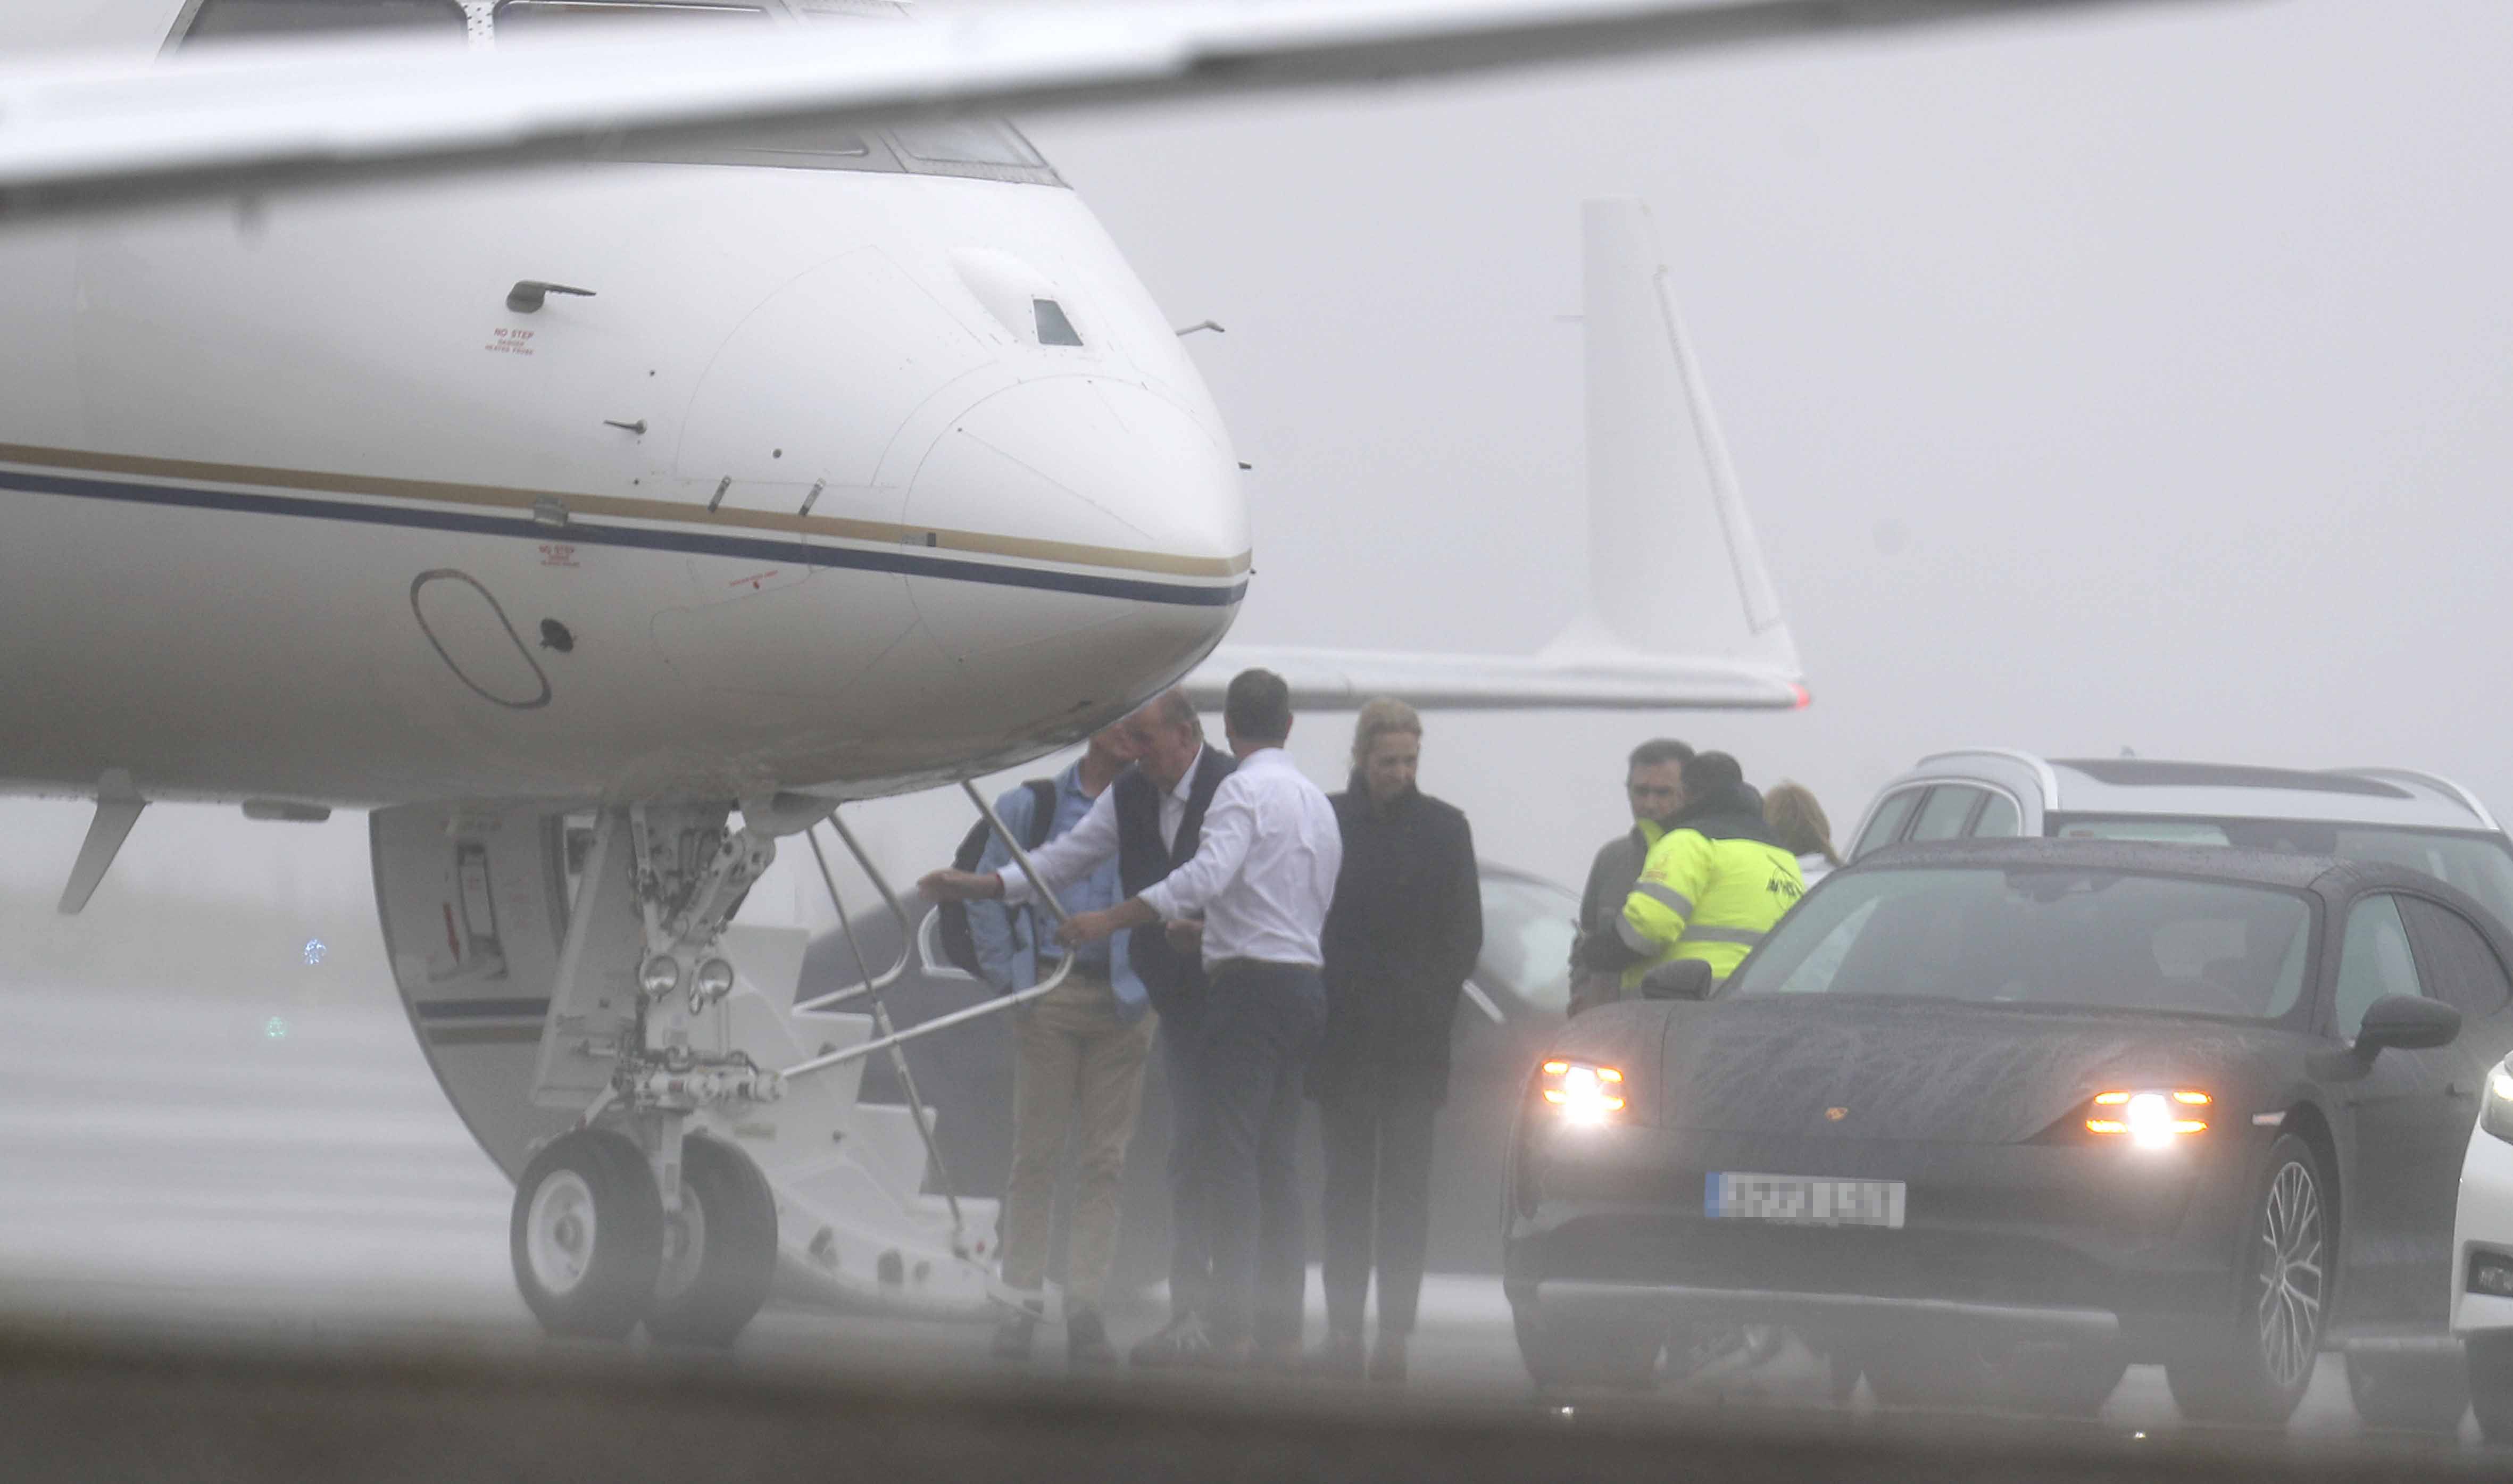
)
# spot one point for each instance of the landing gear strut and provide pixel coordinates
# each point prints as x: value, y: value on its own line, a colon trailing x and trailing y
x: 632, y: 1215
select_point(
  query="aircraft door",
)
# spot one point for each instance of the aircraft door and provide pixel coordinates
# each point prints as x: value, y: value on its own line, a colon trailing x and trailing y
x: 474, y: 901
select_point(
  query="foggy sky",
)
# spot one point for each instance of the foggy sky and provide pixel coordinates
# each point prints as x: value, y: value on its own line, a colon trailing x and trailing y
x: 2143, y: 380
x: 2140, y: 380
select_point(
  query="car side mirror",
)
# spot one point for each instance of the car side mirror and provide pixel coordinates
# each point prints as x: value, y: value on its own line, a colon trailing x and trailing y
x: 2408, y: 1022
x: 1684, y: 979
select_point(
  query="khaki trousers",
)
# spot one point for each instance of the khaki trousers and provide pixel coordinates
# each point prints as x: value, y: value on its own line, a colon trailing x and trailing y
x: 1077, y: 1072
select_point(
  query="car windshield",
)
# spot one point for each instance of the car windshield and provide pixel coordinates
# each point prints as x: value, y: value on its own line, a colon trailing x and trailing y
x: 2480, y: 865
x: 2058, y: 937
x: 1528, y: 927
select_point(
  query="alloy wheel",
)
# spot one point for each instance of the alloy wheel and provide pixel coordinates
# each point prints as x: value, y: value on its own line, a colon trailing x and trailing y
x: 2291, y: 1278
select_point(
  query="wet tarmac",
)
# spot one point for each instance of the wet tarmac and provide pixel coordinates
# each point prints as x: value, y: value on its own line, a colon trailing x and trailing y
x: 271, y: 1190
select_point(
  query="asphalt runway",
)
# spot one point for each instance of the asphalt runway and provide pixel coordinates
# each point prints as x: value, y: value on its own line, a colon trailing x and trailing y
x: 272, y: 1181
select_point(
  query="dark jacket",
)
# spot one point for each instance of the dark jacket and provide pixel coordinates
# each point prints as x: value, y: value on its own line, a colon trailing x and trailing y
x: 1610, y: 878
x: 1400, y: 942
x: 1175, y: 980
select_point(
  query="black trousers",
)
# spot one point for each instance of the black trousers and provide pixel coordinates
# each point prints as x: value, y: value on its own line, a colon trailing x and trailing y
x: 1378, y: 1206
x: 1190, y: 1243
x: 1261, y: 1027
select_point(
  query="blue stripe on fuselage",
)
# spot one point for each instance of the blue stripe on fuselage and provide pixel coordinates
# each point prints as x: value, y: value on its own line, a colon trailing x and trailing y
x: 907, y: 563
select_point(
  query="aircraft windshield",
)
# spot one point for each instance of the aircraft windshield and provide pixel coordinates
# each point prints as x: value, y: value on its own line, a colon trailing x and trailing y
x: 527, y: 18
x: 216, y: 20
x: 2052, y: 937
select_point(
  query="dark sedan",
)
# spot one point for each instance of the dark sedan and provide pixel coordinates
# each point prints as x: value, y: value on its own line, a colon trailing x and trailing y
x: 1992, y: 1121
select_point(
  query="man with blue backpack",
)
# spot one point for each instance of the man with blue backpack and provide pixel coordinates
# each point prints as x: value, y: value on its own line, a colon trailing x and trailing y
x: 1146, y: 825
x: 1078, y: 1060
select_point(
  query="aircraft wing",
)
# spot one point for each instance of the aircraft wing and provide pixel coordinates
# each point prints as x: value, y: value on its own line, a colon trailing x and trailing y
x: 1341, y: 680
x: 1681, y: 613
x: 78, y: 136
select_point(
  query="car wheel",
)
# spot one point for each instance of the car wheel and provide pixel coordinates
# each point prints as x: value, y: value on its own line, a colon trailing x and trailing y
x: 1623, y: 1356
x: 2251, y: 1365
x: 2491, y: 1384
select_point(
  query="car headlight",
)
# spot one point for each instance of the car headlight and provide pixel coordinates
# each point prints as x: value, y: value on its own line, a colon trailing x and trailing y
x: 2151, y: 1118
x: 1583, y: 1092
x: 2496, y: 1104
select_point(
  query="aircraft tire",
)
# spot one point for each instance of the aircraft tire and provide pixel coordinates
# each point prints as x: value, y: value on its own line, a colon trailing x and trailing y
x: 587, y: 1234
x: 720, y: 1252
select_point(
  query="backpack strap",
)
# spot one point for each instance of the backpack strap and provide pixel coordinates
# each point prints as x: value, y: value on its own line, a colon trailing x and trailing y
x: 1041, y: 811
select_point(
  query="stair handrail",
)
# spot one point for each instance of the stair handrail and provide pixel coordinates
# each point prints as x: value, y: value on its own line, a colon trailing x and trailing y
x: 820, y: 1004
x: 1043, y: 896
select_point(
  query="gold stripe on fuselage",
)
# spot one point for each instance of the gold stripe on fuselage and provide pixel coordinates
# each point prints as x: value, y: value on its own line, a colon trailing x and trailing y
x: 501, y: 497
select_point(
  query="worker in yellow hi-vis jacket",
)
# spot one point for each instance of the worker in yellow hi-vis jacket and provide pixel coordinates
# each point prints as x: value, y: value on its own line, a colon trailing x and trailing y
x: 1712, y: 885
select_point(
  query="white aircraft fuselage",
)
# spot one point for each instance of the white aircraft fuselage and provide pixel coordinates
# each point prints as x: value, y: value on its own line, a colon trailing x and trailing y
x: 804, y: 495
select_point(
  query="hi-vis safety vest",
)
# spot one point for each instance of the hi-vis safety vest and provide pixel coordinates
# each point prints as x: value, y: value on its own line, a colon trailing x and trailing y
x: 1705, y: 898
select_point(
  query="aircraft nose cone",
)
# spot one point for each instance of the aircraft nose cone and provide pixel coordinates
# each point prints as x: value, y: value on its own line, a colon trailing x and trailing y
x: 1102, y: 537
x: 1090, y: 472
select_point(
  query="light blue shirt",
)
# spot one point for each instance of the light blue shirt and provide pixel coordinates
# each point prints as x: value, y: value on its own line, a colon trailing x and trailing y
x: 1008, y: 938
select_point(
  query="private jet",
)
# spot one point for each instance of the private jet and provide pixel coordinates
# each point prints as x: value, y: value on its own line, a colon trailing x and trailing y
x: 602, y: 452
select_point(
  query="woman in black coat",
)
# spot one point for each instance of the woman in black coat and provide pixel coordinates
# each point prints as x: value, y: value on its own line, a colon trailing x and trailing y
x: 1399, y: 941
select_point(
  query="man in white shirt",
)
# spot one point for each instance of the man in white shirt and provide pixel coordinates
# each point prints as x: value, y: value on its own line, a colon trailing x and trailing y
x: 1261, y: 879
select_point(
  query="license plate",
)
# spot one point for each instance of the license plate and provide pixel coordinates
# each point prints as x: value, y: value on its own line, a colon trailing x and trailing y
x: 1803, y: 1199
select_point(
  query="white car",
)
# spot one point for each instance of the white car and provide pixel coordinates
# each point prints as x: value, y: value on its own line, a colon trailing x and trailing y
x: 2482, y: 1241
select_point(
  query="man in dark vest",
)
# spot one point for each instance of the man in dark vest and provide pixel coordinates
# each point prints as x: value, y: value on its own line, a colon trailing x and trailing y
x: 1151, y: 820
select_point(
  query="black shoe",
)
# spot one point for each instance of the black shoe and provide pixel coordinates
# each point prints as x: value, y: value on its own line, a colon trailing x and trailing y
x: 1086, y: 1340
x: 1339, y: 1359
x: 1183, y: 1343
x: 1387, y: 1361
x: 1013, y: 1336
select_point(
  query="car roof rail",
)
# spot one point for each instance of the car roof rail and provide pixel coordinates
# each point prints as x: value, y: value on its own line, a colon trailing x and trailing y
x: 2435, y: 781
x: 2043, y: 773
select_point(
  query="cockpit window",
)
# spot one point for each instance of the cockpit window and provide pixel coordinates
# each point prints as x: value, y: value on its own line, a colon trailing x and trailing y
x: 524, y: 17
x: 985, y: 148
x: 214, y: 20
x: 1054, y: 328
x: 967, y: 141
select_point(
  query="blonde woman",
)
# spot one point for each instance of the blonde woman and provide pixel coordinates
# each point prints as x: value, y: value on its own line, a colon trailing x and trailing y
x: 1803, y: 829
x: 1406, y: 928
